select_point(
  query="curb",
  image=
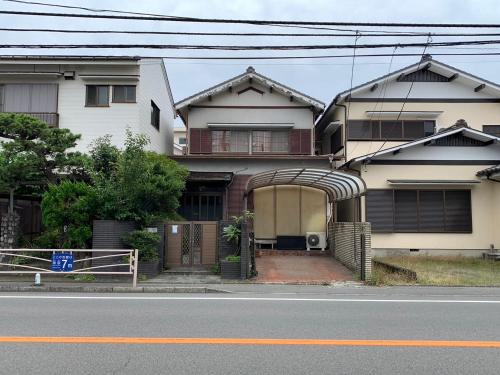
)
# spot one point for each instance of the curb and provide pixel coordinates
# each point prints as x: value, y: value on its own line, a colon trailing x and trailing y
x: 108, y: 289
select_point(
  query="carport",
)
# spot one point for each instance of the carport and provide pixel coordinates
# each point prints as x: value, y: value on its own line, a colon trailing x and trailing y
x: 347, y: 242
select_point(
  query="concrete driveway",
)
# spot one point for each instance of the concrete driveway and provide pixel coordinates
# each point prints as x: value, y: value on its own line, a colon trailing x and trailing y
x: 301, y: 269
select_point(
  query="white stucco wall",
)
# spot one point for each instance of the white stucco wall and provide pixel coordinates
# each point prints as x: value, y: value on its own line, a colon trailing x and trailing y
x: 286, y: 111
x: 94, y: 122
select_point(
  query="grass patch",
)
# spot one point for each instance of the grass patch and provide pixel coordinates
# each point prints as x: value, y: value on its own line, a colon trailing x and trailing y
x: 441, y: 271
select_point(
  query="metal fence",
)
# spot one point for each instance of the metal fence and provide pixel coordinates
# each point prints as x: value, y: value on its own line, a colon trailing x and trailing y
x: 9, y: 259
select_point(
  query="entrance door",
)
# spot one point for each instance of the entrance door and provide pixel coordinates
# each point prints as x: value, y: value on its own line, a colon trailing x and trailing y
x: 191, y: 243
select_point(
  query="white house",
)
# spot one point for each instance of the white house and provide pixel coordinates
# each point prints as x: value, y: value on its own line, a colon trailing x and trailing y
x: 92, y: 96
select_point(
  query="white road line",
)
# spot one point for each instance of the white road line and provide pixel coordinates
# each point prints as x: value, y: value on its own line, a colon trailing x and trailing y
x: 268, y: 299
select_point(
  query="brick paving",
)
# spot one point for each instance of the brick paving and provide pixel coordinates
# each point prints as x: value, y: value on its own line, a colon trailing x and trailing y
x: 301, y: 269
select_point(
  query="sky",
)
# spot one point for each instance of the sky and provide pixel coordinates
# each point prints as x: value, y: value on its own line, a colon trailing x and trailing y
x: 321, y: 79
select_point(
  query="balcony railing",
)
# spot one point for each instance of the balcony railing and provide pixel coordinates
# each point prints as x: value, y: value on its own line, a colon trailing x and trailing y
x: 51, y: 118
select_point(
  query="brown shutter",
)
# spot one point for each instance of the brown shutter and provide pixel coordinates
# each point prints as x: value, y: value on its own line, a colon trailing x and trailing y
x: 194, y: 141
x: 305, y: 141
x: 295, y: 141
x: 205, y: 141
x: 300, y: 141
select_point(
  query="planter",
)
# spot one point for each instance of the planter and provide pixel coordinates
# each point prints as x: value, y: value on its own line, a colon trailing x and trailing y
x: 149, y: 268
x: 230, y: 270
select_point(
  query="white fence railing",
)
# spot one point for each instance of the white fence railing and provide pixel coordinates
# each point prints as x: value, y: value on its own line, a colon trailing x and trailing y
x: 127, y: 258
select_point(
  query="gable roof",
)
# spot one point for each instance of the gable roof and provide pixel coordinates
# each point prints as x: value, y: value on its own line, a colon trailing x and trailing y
x: 428, y: 63
x: 468, y: 132
x: 251, y: 74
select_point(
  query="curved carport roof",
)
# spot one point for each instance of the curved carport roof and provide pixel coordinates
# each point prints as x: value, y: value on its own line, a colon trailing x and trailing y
x: 338, y: 185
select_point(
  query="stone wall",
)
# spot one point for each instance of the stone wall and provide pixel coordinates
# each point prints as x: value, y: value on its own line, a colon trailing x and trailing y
x: 9, y: 230
x: 347, y: 241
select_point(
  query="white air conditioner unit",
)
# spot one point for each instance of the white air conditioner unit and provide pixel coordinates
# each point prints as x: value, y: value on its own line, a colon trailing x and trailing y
x: 316, y: 240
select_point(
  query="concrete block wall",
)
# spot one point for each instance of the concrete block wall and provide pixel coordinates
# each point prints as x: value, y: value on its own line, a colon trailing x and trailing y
x: 346, y: 244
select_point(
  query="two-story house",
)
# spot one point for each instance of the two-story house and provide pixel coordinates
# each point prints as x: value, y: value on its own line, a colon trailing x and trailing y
x: 92, y: 96
x: 422, y: 138
x: 241, y: 127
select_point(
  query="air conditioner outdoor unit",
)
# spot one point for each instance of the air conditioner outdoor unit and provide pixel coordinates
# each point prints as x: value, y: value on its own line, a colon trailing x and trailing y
x: 316, y: 240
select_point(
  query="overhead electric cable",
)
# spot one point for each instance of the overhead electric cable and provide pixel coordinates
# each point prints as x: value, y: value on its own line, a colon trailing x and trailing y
x: 232, y: 34
x: 252, y: 47
x: 250, y: 22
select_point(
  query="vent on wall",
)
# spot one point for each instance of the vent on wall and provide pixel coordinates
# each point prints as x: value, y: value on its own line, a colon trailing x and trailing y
x: 69, y: 75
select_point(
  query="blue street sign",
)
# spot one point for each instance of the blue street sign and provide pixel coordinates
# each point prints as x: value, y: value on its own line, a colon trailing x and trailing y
x: 62, y: 262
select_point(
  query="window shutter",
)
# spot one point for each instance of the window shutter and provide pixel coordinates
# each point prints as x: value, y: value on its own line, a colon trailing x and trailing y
x: 458, y: 211
x: 405, y: 211
x: 295, y: 141
x: 431, y: 211
x: 205, y: 141
x: 194, y: 141
x: 305, y: 141
x: 379, y: 210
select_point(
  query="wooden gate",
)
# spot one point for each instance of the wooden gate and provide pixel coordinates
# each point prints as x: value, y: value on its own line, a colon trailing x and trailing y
x: 191, y: 243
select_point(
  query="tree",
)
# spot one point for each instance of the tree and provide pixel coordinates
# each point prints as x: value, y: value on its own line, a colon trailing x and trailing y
x: 135, y: 184
x: 67, y: 212
x: 34, y: 154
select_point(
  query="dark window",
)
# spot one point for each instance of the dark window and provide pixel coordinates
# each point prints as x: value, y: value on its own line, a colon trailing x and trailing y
x: 457, y: 211
x: 201, y: 206
x: 492, y: 129
x: 405, y: 211
x: 124, y: 94
x: 155, y: 115
x: 436, y: 211
x: 182, y: 140
x: 391, y: 129
x: 431, y: 210
x: 358, y: 129
x: 380, y: 210
x: 97, y: 96
x: 336, y: 143
x: 398, y: 130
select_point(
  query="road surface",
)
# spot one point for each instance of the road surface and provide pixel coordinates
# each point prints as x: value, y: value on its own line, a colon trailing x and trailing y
x: 267, y: 331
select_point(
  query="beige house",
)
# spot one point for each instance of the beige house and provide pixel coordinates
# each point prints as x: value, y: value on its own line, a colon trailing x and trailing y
x: 244, y: 126
x: 430, y: 178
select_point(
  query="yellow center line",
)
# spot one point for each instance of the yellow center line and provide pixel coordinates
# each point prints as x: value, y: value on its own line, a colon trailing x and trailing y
x: 246, y: 341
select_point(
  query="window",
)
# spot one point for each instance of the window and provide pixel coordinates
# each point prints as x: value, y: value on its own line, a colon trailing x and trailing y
x: 437, y: 211
x: 201, y: 206
x: 124, y: 94
x: 182, y: 140
x: 336, y: 141
x: 230, y: 141
x: 97, y: 96
x: 398, y: 130
x: 155, y: 115
x: 270, y: 141
x: 492, y: 129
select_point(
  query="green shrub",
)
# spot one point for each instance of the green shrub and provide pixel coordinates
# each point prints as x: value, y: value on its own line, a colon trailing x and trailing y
x: 233, y: 258
x: 144, y: 241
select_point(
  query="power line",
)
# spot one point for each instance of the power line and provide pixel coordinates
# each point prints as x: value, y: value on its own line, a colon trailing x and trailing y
x: 251, y: 22
x: 248, y: 48
x: 236, y: 58
x: 140, y: 32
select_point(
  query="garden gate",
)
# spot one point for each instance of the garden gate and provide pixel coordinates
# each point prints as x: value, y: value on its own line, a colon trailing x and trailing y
x: 191, y: 243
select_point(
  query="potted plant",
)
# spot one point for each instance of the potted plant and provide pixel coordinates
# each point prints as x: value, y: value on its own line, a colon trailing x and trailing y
x: 231, y: 264
x: 147, y: 245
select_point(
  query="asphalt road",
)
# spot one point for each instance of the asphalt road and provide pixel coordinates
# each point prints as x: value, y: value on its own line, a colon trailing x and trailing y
x: 373, y: 316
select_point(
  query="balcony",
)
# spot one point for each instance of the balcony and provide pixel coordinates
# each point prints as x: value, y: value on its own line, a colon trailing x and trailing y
x: 51, y: 118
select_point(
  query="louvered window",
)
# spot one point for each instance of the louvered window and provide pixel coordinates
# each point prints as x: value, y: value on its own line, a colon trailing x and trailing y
x: 435, y: 211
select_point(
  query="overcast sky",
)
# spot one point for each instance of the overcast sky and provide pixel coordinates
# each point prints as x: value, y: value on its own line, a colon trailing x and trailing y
x: 321, y: 79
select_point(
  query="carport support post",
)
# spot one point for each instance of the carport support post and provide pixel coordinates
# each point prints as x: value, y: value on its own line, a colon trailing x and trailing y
x: 363, y: 257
